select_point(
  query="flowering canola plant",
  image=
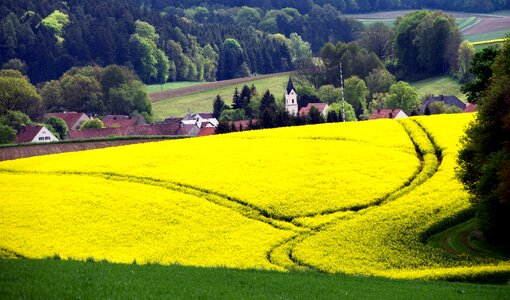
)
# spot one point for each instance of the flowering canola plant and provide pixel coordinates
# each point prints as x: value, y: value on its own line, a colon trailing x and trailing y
x: 351, y: 197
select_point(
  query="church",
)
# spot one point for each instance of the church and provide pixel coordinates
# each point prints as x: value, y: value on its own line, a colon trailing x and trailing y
x: 291, y: 103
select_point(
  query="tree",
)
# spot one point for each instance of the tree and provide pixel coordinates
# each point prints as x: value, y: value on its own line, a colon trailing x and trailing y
x: 466, y: 52
x: 426, y: 43
x: 91, y: 124
x: 7, y: 135
x: 379, y: 81
x: 484, y: 160
x: 231, y: 59
x: 16, y: 64
x: 314, y: 116
x: 481, y: 68
x: 356, y: 93
x: 332, y: 117
x: 17, y: 93
x: 218, y: 106
x: 307, y: 94
x: 237, y: 101
x: 378, y: 38
x: 299, y: 49
x: 151, y: 63
x: 247, y: 16
x: 403, y: 96
x: 15, y: 119
x: 267, y: 111
x: 59, y: 126
x: 329, y: 94
x: 82, y: 93
x: 52, y: 95
x: 350, y: 115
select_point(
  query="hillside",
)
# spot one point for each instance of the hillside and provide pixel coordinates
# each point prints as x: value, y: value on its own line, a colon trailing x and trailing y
x: 359, y: 221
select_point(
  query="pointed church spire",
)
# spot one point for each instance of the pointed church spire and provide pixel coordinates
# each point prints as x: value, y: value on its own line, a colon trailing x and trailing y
x: 290, y: 86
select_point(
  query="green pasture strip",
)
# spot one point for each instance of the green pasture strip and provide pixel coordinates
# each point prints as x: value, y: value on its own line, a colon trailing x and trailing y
x: 387, y: 22
x: 105, y: 139
x: 56, y: 279
x: 155, y: 88
x: 487, y: 36
x: 441, y: 85
x: 202, y: 102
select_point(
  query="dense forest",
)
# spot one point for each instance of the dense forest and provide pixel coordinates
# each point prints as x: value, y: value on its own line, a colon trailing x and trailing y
x: 345, y: 6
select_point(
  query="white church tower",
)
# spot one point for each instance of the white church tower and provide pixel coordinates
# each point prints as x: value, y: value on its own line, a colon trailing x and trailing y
x: 291, y: 104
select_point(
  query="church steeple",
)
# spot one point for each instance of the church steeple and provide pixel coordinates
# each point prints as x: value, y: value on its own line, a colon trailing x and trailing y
x: 290, y: 86
x: 291, y: 104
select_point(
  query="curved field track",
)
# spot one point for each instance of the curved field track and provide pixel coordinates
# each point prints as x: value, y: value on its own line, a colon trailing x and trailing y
x: 207, y: 86
x: 489, y: 25
x: 10, y: 153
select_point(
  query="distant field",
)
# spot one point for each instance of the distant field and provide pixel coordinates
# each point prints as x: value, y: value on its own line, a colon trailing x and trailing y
x: 442, y: 85
x: 202, y: 101
x: 474, y: 27
x: 153, y: 88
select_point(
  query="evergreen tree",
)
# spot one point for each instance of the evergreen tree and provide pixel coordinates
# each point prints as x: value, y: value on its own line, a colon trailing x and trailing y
x: 218, y: 107
x: 237, y: 101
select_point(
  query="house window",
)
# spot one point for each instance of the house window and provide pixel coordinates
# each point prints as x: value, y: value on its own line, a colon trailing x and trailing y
x: 292, y: 101
x: 41, y: 138
x: 46, y: 138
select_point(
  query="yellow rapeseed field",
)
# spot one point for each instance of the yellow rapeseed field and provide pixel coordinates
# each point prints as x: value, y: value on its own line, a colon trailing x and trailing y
x: 353, y: 198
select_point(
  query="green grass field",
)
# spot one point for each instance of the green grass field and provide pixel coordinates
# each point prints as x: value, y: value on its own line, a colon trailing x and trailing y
x: 202, y: 102
x: 154, y: 88
x: 487, y: 36
x: 442, y: 85
x: 56, y: 279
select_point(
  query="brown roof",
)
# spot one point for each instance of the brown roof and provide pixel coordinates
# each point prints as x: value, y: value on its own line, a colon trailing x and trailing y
x: 470, y: 107
x: 384, y: 114
x: 207, y: 131
x: 319, y: 106
x: 162, y: 129
x: 69, y: 117
x: 448, y: 100
x: 28, y: 133
x: 245, y: 124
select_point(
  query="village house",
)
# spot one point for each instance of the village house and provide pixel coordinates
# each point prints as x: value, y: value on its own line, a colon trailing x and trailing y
x: 35, y: 134
x: 448, y: 100
x: 470, y: 107
x: 72, y: 119
x: 200, y: 119
x: 388, y: 114
x: 321, y: 107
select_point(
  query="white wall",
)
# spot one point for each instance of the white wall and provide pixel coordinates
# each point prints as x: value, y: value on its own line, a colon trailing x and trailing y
x: 44, y: 136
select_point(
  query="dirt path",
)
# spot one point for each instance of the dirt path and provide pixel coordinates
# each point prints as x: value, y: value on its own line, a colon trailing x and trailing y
x: 158, y: 96
x: 37, y: 150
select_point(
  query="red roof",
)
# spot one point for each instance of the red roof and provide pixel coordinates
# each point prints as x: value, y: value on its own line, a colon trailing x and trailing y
x: 28, y: 133
x: 162, y: 129
x: 122, y: 121
x: 207, y: 131
x: 319, y: 106
x: 470, y: 107
x: 384, y: 114
x: 69, y: 117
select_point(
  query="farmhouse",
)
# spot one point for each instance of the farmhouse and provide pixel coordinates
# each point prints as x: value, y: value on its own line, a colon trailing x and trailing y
x: 72, y: 119
x: 199, y: 119
x: 122, y: 121
x: 35, y: 134
x: 387, y: 114
x: 322, y: 107
x: 448, y: 100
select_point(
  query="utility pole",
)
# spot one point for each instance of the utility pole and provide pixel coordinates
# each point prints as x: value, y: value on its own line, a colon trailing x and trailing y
x: 342, y: 88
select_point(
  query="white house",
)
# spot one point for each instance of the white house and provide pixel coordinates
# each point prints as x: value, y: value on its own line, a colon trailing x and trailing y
x: 35, y: 134
x: 291, y: 104
x: 199, y: 119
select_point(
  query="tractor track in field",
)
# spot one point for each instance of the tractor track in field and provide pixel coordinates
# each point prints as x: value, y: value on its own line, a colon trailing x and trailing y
x: 253, y: 212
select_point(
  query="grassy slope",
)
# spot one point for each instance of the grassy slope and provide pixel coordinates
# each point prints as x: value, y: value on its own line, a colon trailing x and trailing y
x: 202, y: 102
x: 487, y: 36
x: 49, y: 279
x: 442, y: 85
x: 154, y: 88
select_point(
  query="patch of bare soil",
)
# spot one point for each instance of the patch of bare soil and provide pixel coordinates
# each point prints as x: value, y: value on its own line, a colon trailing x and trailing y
x: 489, y: 25
x: 158, y: 96
x: 45, y: 149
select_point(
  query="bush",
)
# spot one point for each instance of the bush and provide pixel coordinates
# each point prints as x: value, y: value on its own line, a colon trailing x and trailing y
x: 90, y: 124
x: 59, y: 126
x: 7, y: 135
